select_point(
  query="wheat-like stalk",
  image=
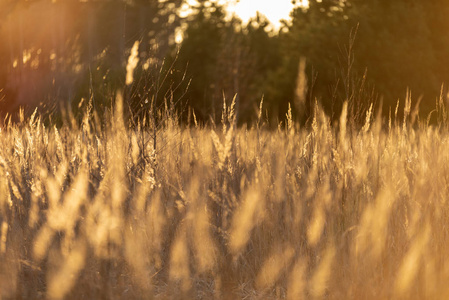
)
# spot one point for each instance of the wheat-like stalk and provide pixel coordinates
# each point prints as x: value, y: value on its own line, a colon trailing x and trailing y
x: 319, y: 212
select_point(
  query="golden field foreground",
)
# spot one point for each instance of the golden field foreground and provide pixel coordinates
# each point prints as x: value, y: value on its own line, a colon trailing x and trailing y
x: 226, y: 213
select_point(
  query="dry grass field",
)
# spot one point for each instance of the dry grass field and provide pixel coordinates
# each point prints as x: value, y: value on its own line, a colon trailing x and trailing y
x: 323, y: 212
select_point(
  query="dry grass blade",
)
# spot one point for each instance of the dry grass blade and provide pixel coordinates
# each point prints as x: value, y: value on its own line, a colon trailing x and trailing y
x: 314, y: 212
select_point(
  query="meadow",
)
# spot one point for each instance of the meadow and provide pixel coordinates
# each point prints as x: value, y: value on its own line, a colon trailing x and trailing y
x: 92, y: 210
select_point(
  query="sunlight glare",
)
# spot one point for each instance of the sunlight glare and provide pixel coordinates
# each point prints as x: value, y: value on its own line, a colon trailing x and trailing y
x: 275, y: 11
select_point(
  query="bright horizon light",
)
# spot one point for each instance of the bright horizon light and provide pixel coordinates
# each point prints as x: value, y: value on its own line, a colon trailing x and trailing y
x: 274, y: 10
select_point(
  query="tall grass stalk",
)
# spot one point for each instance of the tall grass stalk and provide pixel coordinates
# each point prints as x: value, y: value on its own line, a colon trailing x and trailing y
x: 312, y: 213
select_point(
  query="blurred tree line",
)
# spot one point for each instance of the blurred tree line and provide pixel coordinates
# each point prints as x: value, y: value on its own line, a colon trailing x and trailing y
x: 70, y: 51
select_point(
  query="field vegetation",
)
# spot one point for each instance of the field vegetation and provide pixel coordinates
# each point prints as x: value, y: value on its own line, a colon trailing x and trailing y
x: 155, y: 210
x: 137, y: 177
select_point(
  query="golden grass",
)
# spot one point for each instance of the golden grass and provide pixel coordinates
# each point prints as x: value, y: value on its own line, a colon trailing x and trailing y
x: 319, y: 213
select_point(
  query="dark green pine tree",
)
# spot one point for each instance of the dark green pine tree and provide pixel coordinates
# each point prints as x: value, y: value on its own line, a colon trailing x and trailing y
x: 318, y: 34
x: 200, y: 54
x: 397, y: 44
x: 225, y: 58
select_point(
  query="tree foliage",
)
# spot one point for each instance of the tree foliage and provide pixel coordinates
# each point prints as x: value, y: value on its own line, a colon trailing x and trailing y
x: 350, y: 50
x: 68, y: 50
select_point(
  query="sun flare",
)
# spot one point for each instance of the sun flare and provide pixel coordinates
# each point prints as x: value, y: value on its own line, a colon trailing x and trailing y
x: 275, y: 11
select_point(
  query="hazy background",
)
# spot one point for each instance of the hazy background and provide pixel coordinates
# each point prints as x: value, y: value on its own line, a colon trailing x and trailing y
x: 197, y: 52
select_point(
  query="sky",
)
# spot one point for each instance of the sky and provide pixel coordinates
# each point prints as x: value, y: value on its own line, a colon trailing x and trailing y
x: 274, y: 10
